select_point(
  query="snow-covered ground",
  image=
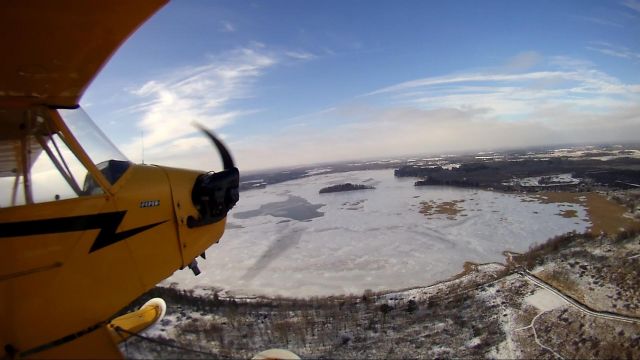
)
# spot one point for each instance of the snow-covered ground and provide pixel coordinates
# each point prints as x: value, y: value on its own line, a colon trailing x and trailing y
x: 553, y: 180
x: 544, y: 300
x: 318, y: 171
x: 290, y: 240
x: 588, y: 152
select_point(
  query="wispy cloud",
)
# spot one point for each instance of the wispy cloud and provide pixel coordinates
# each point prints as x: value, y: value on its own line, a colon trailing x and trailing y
x: 569, y: 63
x: 298, y: 120
x: 300, y: 55
x: 200, y: 94
x: 632, y: 4
x: 539, y: 100
x: 614, y: 50
x: 599, y: 21
x: 398, y: 131
x: 570, y: 101
x: 523, y: 61
x: 227, y: 26
x: 533, y: 78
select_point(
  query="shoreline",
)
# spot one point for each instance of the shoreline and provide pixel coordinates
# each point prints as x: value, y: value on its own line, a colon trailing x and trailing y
x: 584, y: 199
x: 470, y: 269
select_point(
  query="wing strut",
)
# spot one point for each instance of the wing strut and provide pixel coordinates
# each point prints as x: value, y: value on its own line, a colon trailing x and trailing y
x: 64, y: 171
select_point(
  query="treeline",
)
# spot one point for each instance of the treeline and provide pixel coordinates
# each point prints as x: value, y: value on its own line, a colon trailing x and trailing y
x: 536, y: 253
x: 611, y: 173
x: 366, y: 326
x: 345, y: 187
x: 434, y: 181
x: 264, y: 179
x: 618, y: 178
x: 210, y: 303
x: 180, y: 297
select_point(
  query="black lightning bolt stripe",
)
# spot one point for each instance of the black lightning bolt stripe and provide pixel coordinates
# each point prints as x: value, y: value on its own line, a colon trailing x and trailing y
x: 107, y: 223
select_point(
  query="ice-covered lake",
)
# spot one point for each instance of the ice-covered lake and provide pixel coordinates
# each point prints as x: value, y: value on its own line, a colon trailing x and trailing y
x: 288, y: 239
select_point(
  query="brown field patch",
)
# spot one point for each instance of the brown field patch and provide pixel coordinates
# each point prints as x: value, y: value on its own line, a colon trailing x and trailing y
x: 604, y: 214
x: 607, y: 215
x: 568, y: 213
x: 553, y: 197
x: 448, y: 208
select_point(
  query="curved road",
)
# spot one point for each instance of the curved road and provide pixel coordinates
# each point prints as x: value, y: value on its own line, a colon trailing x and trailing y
x: 580, y: 306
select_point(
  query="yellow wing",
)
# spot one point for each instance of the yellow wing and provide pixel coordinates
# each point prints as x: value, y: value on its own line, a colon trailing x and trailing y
x: 53, y: 49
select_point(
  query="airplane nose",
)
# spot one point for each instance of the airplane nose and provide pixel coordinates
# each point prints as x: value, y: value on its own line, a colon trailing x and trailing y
x: 214, y: 194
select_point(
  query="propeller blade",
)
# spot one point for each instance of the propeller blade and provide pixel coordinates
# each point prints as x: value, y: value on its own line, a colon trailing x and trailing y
x: 214, y: 193
x: 227, y: 160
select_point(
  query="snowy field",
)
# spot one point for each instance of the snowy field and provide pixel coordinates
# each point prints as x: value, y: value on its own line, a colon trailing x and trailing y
x: 554, y: 180
x: 290, y: 240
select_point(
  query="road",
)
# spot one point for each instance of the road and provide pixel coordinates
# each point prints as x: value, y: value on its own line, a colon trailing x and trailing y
x: 575, y: 303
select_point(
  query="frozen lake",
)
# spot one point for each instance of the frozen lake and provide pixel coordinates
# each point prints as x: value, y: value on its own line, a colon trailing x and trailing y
x: 290, y: 240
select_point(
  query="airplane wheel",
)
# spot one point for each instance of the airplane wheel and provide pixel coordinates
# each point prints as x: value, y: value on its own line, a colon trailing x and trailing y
x: 276, y: 354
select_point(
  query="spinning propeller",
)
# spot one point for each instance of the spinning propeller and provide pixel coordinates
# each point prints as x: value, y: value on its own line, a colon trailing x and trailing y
x: 214, y: 193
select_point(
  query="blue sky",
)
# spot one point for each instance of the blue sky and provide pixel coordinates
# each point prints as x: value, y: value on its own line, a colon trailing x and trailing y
x: 296, y: 82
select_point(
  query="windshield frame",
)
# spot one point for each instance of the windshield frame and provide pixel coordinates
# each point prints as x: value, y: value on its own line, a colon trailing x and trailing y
x: 79, y: 151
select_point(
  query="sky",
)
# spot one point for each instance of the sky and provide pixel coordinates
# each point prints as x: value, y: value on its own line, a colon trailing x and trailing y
x: 289, y: 83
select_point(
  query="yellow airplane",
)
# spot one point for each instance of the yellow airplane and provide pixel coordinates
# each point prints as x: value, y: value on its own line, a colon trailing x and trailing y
x: 84, y: 233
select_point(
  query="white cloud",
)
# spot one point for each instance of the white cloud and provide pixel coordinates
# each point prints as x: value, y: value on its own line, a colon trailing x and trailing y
x: 632, y: 4
x: 510, y: 96
x: 540, y: 78
x: 567, y: 100
x: 300, y: 55
x: 228, y: 27
x: 196, y: 94
x: 523, y: 61
x: 570, y: 102
x: 614, y: 50
x: 402, y: 131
